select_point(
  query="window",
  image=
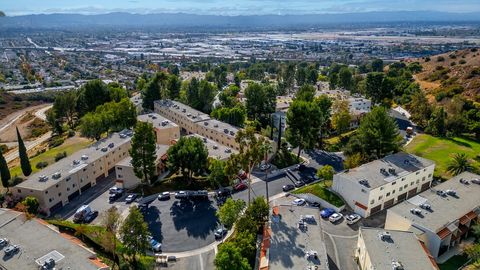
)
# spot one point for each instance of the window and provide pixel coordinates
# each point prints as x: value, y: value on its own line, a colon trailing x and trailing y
x: 59, y: 194
x: 67, y: 179
x: 403, y: 179
x: 380, y: 197
x: 20, y: 191
x: 411, y: 184
x: 381, y: 188
x: 425, y: 170
x: 393, y: 191
x: 56, y: 186
x: 120, y: 176
x: 430, y: 175
x: 372, y: 201
x: 68, y: 189
x: 364, y: 191
x: 418, y: 181
x: 400, y: 189
x: 73, y: 185
x: 393, y: 183
x: 119, y: 168
x: 405, y: 186
x: 423, y: 178
x: 50, y: 200
x: 388, y: 194
x: 417, y: 172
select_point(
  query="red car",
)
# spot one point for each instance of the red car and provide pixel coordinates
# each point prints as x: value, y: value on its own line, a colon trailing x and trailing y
x: 240, y: 186
x: 242, y: 175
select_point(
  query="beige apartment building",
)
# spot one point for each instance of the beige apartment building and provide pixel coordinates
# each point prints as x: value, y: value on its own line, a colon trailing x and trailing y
x: 391, y: 249
x: 166, y: 131
x: 66, y: 179
x: 183, y: 115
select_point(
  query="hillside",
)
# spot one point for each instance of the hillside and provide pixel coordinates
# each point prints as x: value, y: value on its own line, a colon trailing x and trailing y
x: 12, y: 103
x: 448, y: 74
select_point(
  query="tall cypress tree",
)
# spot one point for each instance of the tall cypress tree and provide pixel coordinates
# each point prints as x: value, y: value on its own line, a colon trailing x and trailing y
x: 22, y: 153
x: 4, y: 172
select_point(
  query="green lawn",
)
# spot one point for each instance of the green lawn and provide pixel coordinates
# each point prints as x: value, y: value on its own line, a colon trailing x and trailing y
x: 454, y: 263
x: 70, y: 146
x: 320, y: 190
x: 441, y: 150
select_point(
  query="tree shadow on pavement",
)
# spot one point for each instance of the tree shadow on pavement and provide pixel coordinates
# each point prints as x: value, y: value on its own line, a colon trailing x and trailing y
x: 198, y: 218
x: 152, y: 217
x: 285, y: 244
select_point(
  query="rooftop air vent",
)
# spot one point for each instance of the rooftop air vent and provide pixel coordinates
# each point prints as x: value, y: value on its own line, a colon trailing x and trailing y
x: 154, y: 117
x: 391, y: 170
x: 75, y: 162
x: 385, y: 236
x: 215, y: 125
x: 464, y: 181
x: 56, y: 175
x: 204, y: 140
x: 415, y: 211
x: 232, y: 133
x: 426, y: 206
x: 205, y: 123
x: 364, y: 182
x: 228, y: 150
x: 225, y: 130
x: 84, y: 157
x: 43, y: 178
x: 476, y: 181
x: 441, y: 193
x: 383, y: 171
x: 215, y: 147
x: 184, y: 110
x: 451, y: 192
x: 111, y: 145
x: 396, y: 265
x: 123, y: 136
x: 104, y: 149
x: 194, y: 116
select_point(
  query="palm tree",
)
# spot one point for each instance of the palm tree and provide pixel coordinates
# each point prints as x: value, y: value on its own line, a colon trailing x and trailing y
x: 459, y: 164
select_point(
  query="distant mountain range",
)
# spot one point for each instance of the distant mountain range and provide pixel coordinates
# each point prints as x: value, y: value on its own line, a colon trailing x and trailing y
x: 192, y: 20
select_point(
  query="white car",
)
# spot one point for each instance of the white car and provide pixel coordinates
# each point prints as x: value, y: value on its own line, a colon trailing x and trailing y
x: 335, y: 217
x: 352, y: 219
x: 298, y: 202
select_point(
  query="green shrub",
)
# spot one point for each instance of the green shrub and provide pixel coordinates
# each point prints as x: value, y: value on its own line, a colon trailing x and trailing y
x: 462, y: 62
x: 55, y: 141
x: 440, y: 59
x: 71, y: 133
x: 16, y: 180
x: 61, y: 155
x: 41, y: 165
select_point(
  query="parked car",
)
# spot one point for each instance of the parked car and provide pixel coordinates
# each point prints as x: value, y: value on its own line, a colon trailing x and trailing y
x: 335, y: 217
x: 3, y: 242
x: 131, y: 198
x: 288, y: 187
x: 314, y: 204
x: 222, y: 192
x: 299, y: 183
x: 298, y: 202
x: 12, y: 249
x: 300, y: 167
x: 114, y: 196
x: 81, y: 213
x: 114, y: 190
x: 265, y: 167
x: 164, y: 196
x: 90, y: 217
x: 326, y: 212
x: 181, y: 195
x: 242, y: 175
x: 240, y: 186
x: 352, y: 219
x: 220, y: 233
x: 154, y: 244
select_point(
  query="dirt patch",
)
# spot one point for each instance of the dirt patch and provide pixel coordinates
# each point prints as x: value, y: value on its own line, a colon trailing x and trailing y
x: 26, y: 122
x: 10, y: 103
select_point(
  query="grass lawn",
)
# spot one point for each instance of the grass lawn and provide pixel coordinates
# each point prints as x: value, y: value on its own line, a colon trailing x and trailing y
x: 320, y: 190
x: 70, y: 146
x: 441, y: 150
x: 454, y: 263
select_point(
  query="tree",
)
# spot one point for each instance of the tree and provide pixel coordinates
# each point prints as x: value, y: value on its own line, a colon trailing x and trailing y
x: 22, y: 153
x: 377, y: 65
x: 235, y: 116
x: 230, y: 211
x: 436, y: 124
x: 303, y: 124
x: 153, y: 90
x: 54, y: 122
x: 376, y: 137
x: 92, y: 126
x: 420, y: 109
x: 301, y: 75
x: 200, y: 95
x: 111, y: 220
x: 230, y: 258
x: 258, y: 210
x: 4, y: 172
x: 92, y: 94
x: 374, y: 89
x: 65, y: 106
x: 353, y: 161
x: 306, y: 93
x: 134, y: 234
x: 324, y: 104
x: 345, y: 79
x: 326, y: 172
x: 143, y: 152
x: 341, y: 117
x: 218, y: 174
x: 189, y: 155
x: 261, y: 100
x: 459, y: 164
x: 251, y: 152
x: 31, y: 204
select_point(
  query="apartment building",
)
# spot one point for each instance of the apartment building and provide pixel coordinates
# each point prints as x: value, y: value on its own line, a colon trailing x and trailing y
x: 215, y: 150
x: 125, y: 176
x: 442, y: 216
x: 380, y: 184
x: 391, y: 249
x: 60, y: 182
x: 218, y: 131
x: 166, y: 131
x: 183, y: 115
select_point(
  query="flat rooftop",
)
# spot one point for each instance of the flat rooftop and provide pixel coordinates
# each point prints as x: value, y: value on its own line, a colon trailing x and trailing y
x: 160, y: 150
x: 156, y: 120
x: 400, y: 165
x: 189, y: 112
x: 221, y: 127
x: 74, y: 162
x: 402, y: 247
x: 289, y: 244
x: 37, y: 239
x: 215, y: 150
x: 136, y: 99
x: 444, y: 209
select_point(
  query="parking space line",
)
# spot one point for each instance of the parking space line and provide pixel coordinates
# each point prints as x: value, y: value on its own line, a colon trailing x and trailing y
x: 334, y: 249
x: 341, y: 236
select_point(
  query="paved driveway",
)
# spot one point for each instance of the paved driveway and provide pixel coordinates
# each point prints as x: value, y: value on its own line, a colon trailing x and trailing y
x: 182, y: 225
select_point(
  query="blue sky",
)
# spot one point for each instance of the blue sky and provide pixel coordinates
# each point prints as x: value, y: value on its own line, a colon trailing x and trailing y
x: 232, y: 7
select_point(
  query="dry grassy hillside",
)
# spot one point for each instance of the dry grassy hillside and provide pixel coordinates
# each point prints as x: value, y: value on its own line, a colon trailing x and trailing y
x: 452, y: 73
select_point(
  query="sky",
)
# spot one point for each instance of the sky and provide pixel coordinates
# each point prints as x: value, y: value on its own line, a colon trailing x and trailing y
x: 232, y: 7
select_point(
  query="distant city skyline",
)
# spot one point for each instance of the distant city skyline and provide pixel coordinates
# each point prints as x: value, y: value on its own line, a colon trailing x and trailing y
x: 237, y: 7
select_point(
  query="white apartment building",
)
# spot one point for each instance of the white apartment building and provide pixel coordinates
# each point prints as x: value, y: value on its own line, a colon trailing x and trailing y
x: 183, y: 115
x: 166, y: 131
x: 218, y: 131
x: 379, y: 184
x: 442, y: 216
x: 58, y: 183
x: 391, y: 249
x: 215, y: 150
